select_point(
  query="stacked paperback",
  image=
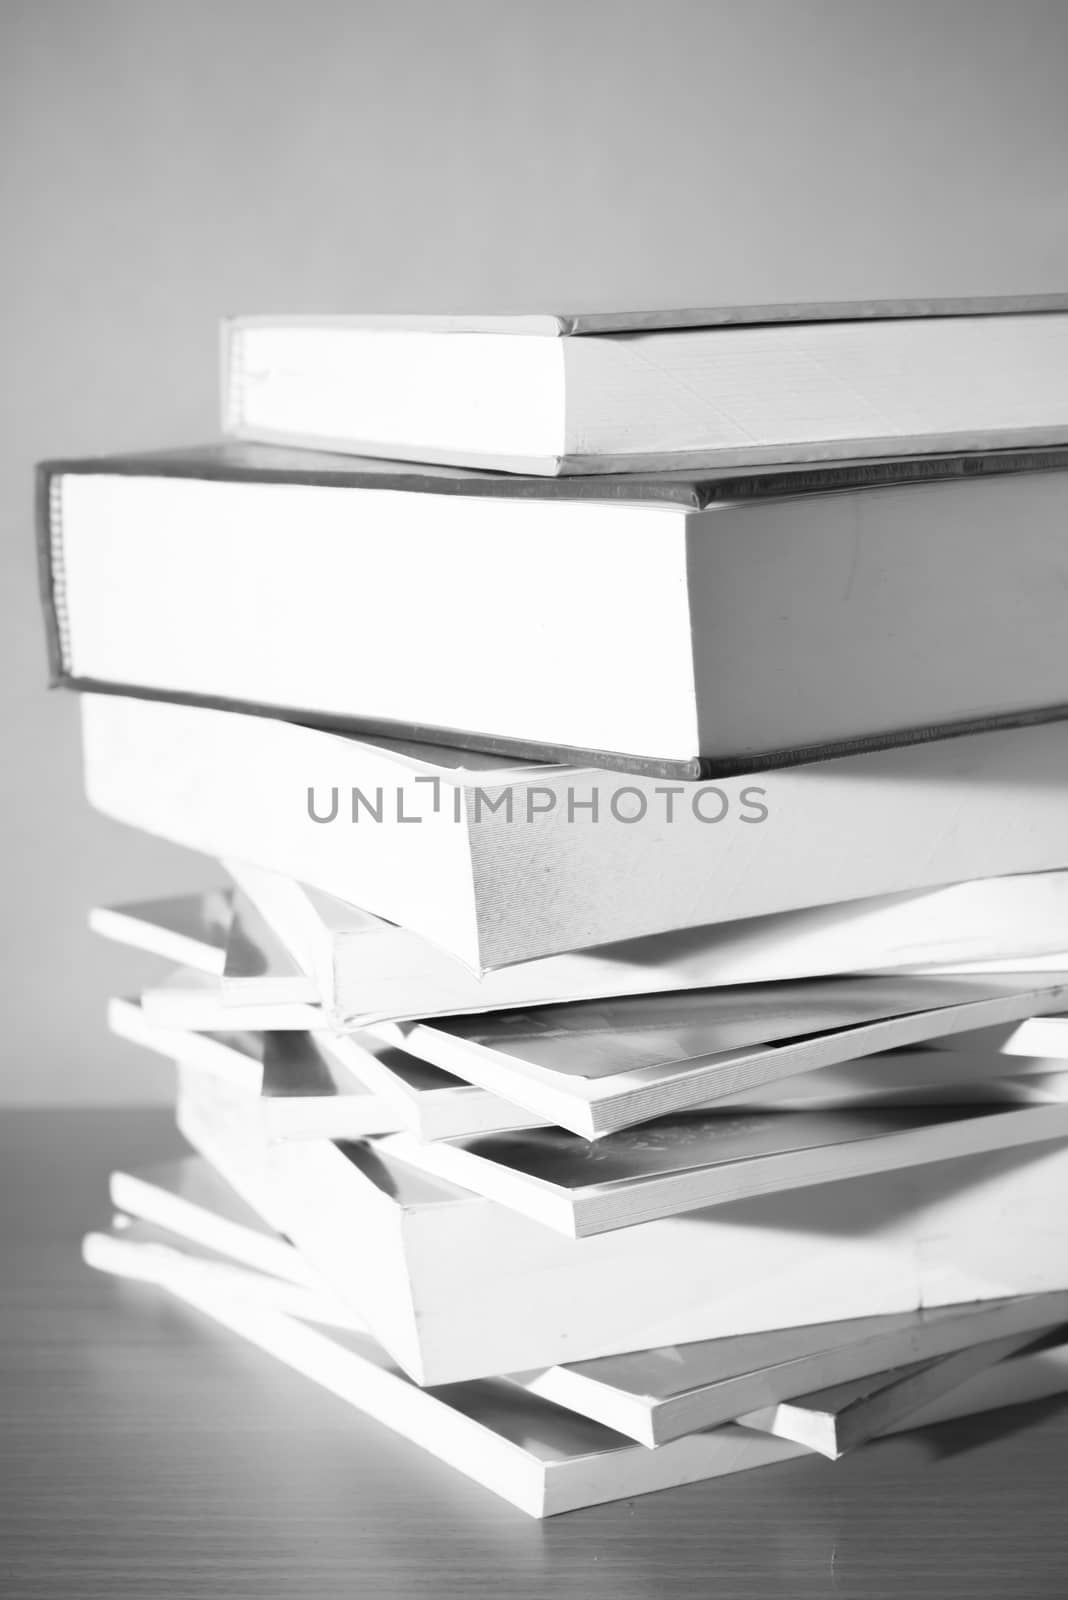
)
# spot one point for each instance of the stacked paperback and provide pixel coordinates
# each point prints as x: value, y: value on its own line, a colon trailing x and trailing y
x: 628, y: 1043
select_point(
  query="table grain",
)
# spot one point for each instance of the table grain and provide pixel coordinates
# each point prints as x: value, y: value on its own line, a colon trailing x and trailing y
x: 145, y: 1452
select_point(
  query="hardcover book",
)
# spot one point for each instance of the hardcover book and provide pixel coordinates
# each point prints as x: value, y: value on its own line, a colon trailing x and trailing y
x: 665, y: 627
x: 614, y: 392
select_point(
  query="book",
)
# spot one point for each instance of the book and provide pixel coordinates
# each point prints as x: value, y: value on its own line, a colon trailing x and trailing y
x: 233, y: 1054
x: 616, y: 392
x: 457, y: 1287
x: 287, y: 1083
x: 680, y: 1164
x: 364, y: 970
x: 261, y: 984
x: 657, y: 1395
x: 314, y: 1087
x: 192, y: 930
x: 217, y: 932
x: 188, y: 1197
x: 188, y: 999
x: 644, y: 635
x: 258, y: 969
x: 505, y: 864
x: 146, y: 1253
x: 539, y: 1457
x: 598, y: 1067
x: 436, y: 1105
x: 595, y: 1069
x: 287, y: 944
x: 836, y: 1420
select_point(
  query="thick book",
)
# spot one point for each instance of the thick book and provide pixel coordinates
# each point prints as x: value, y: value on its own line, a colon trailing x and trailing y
x: 683, y: 627
x: 652, y: 1396
x: 616, y: 392
x: 500, y: 864
x: 598, y: 1067
x: 456, y: 1286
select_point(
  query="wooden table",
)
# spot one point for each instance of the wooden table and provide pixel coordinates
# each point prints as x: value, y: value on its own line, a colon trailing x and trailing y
x: 146, y: 1453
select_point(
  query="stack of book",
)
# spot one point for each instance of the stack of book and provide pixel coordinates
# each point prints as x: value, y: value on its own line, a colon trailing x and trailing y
x: 626, y: 1045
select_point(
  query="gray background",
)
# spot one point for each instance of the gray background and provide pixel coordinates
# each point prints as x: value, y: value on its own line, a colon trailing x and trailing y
x: 163, y: 164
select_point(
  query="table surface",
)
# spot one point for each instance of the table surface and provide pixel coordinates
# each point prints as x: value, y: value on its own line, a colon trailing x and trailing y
x: 145, y: 1452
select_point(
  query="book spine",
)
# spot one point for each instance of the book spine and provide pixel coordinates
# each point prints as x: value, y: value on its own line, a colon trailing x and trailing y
x: 51, y: 578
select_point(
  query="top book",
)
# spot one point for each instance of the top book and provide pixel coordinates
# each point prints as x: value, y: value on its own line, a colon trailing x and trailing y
x: 692, y: 389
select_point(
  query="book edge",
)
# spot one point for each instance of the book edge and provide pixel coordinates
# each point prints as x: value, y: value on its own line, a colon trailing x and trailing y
x: 49, y: 576
x: 692, y: 769
x: 562, y: 324
x: 690, y: 491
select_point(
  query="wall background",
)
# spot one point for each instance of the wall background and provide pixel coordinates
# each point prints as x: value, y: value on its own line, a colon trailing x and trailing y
x: 161, y: 165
